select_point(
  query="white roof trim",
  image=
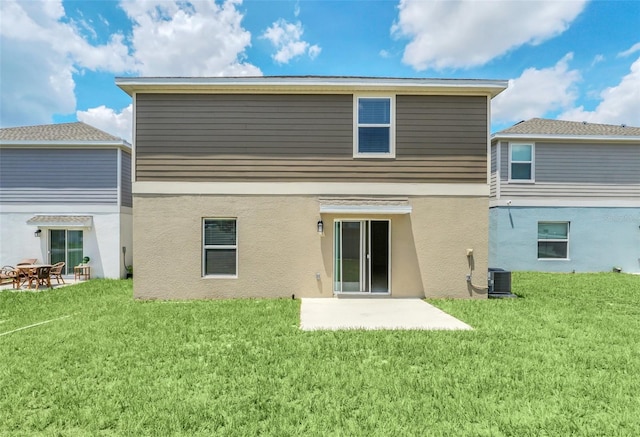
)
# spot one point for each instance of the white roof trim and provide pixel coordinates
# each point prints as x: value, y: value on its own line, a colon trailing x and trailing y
x: 365, y: 206
x: 76, y: 144
x: 365, y: 209
x: 583, y: 138
x: 62, y: 221
x: 317, y: 84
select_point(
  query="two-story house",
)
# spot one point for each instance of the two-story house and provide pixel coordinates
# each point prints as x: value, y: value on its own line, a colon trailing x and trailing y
x: 310, y: 186
x: 565, y: 196
x: 65, y: 193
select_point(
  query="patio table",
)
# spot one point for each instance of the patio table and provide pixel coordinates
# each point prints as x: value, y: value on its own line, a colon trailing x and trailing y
x: 26, y: 269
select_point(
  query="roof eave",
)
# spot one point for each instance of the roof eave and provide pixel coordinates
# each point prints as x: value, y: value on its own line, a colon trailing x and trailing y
x: 133, y: 85
x: 572, y: 138
x: 62, y: 143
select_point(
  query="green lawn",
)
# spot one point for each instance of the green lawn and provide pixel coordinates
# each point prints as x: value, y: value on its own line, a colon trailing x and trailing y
x: 563, y: 360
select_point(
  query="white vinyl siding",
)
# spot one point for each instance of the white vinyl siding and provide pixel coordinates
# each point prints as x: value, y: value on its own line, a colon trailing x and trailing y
x: 220, y: 247
x: 374, y: 127
x: 521, y: 162
x: 553, y: 240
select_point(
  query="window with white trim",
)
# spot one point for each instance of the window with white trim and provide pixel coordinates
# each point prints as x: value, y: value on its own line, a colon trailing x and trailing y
x: 219, y: 247
x: 553, y: 240
x: 374, y: 127
x: 521, y: 162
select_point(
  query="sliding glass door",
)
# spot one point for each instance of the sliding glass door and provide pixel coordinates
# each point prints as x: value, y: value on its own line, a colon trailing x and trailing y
x: 65, y: 245
x: 362, y: 256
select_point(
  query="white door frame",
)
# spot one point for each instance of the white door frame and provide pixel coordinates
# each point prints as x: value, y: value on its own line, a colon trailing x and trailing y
x: 365, y: 259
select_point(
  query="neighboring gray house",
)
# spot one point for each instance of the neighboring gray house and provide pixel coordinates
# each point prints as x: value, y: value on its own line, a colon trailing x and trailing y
x: 565, y: 196
x: 65, y: 193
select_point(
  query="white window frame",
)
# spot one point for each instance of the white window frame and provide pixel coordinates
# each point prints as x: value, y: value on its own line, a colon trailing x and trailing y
x: 532, y: 163
x: 205, y: 247
x: 391, y: 125
x: 553, y: 240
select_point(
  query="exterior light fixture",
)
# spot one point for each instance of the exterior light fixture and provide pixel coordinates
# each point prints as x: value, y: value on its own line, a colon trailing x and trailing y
x: 37, y: 233
x: 320, y: 227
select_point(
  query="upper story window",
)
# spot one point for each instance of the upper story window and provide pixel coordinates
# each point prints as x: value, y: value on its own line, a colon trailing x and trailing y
x: 521, y: 162
x: 374, y: 127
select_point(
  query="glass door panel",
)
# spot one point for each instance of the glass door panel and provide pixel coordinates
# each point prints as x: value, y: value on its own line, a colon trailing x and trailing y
x: 337, y: 258
x: 379, y: 258
x: 65, y: 245
x: 351, y: 260
x: 74, y: 249
x: 57, y: 245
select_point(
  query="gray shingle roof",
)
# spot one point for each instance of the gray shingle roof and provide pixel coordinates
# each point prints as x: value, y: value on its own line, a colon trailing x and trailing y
x: 77, y: 131
x: 542, y: 126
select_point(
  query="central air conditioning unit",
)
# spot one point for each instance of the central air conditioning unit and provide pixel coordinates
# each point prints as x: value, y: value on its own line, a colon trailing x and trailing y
x: 500, y: 283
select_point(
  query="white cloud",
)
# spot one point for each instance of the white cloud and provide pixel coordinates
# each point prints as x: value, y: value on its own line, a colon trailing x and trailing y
x: 177, y: 38
x: 110, y: 121
x: 597, y: 59
x: 619, y: 104
x: 287, y: 39
x: 467, y: 33
x: 314, y: 51
x: 634, y: 48
x: 40, y: 53
x: 36, y: 83
x: 40, y: 22
x: 536, y: 92
x: 42, y: 49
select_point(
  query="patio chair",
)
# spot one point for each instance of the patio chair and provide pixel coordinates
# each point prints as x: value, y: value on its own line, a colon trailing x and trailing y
x: 40, y: 275
x: 27, y: 261
x: 8, y: 274
x: 56, y: 271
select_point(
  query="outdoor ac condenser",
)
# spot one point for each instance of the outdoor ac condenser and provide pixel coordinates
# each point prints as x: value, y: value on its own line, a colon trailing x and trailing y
x: 499, y: 281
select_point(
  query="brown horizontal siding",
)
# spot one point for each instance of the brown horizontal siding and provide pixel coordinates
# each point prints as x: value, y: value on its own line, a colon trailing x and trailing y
x: 439, y: 169
x: 455, y: 125
x: 246, y: 125
x: 304, y: 138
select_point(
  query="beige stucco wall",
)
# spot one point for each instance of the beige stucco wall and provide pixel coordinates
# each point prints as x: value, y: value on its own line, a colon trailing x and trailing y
x: 280, y: 251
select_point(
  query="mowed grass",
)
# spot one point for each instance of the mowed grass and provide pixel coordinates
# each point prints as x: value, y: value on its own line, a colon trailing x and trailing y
x: 562, y: 360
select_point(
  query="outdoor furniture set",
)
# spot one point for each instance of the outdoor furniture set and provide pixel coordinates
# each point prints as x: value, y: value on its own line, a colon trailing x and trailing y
x: 32, y: 274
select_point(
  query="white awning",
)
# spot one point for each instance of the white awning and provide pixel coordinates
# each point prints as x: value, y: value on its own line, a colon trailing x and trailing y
x: 63, y: 221
x: 365, y: 206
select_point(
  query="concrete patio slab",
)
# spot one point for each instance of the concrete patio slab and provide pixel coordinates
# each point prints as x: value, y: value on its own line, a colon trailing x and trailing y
x: 68, y: 280
x: 337, y: 314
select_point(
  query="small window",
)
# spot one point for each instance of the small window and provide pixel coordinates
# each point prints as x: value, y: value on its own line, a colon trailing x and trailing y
x: 373, y: 133
x: 220, y: 247
x: 521, y: 166
x: 553, y: 240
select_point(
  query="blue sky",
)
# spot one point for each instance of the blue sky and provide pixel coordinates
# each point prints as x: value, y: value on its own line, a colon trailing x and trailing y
x: 574, y: 60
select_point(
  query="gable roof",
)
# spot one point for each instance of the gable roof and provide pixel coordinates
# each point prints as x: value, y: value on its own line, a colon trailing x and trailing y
x: 541, y: 127
x: 74, y: 132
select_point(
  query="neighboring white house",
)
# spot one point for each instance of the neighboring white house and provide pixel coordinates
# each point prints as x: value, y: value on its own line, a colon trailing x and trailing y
x: 65, y: 193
